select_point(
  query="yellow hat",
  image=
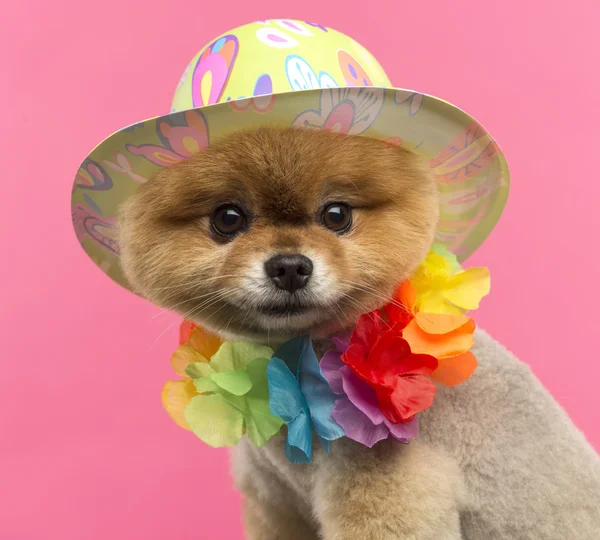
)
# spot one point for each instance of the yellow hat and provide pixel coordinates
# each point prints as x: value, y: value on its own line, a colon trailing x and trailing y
x: 290, y: 73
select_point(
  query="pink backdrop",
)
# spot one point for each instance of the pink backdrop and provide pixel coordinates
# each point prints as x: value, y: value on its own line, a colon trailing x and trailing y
x: 86, y: 451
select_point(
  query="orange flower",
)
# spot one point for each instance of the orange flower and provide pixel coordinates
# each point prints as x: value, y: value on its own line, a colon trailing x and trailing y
x: 447, y: 337
x: 196, y: 345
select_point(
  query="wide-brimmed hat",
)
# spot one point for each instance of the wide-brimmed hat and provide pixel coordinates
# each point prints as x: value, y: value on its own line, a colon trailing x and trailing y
x: 289, y: 73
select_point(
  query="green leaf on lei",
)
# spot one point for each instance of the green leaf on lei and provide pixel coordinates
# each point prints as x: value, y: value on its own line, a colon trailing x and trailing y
x: 215, y: 420
x: 261, y: 423
x: 235, y: 382
x: 236, y: 355
x: 235, y: 395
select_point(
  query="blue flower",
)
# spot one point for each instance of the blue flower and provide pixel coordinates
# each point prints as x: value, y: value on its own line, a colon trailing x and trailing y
x: 302, y: 398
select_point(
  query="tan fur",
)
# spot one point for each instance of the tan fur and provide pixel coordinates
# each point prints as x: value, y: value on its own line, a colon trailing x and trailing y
x: 283, y: 178
x: 473, y: 473
x: 390, y: 491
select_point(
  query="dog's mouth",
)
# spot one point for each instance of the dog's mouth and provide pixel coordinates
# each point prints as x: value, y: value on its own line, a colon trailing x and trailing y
x: 281, y: 318
x: 284, y: 310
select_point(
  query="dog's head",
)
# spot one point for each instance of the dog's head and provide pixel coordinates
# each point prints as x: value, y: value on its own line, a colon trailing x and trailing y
x: 273, y: 233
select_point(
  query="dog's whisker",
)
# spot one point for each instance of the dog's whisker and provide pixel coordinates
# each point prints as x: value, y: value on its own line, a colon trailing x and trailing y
x: 221, y: 309
x: 210, y: 302
x: 372, y: 292
x: 364, y: 310
x: 172, y: 308
x: 200, y: 281
x: 245, y: 316
x: 336, y: 310
x: 187, y: 288
x: 357, y: 303
x: 204, y: 305
x: 161, y: 335
x: 185, y: 316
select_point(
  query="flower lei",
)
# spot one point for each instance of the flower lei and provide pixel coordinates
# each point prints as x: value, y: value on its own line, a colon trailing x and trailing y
x: 370, y: 387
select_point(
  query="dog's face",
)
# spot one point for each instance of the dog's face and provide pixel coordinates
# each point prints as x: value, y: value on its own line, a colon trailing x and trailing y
x: 274, y: 233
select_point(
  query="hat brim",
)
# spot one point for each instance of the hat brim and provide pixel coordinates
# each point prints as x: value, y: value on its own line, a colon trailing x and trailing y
x: 473, y: 175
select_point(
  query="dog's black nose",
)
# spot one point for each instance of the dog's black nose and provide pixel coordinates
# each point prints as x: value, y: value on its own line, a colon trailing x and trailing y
x: 289, y: 272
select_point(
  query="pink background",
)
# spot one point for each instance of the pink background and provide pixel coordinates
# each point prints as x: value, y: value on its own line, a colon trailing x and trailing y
x: 86, y: 451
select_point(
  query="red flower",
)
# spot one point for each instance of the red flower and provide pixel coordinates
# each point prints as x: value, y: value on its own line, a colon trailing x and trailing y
x: 381, y: 357
x: 185, y: 331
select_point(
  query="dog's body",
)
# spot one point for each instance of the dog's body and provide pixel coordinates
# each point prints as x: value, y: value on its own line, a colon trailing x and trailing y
x: 496, y: 457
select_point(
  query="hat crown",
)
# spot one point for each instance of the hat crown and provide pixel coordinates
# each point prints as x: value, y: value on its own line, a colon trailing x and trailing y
x: 272, y: 57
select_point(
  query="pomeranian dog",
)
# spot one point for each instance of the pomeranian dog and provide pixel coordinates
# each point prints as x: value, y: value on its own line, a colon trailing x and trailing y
x: 271, y: 234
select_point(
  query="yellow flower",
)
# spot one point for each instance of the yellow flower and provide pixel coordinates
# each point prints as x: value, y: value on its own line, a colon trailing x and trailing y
x: 176, y: 395
x: 442, y: 287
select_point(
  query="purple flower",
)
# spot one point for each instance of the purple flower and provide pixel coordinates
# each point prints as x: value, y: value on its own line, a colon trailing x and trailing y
x: 356, y: 411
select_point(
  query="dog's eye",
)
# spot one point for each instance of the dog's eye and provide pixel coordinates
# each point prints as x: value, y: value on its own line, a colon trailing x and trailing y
x: 337, y: 217
x: 229, y: 220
